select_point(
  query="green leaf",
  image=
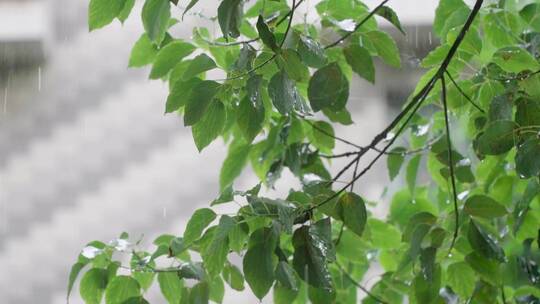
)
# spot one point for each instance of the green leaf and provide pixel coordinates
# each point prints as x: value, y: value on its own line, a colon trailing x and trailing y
x: 210, y: 126
x: 360, y: 61
x: 234, y: 278
x: 483, y: 243
x: 286, y: 276
x: 217, y: 290
x: 386, y: 47
x: 328, y: 88
x: 501, y: 108
x: 427, y: 290
x: 73, y: 274
x: 169, y: 56
x: 259, y: 263
x: 171, y: 286
x: 313, y: 250
x: 488, y: 269
x: 230, y: 14
x: 266, y: 35
x: 389, y: 14
x: 443, y: 12
x: 233, y: 164
x: 283, y: 92
x: 197, y: 223
x: 103, y: 12
x: 412, y: 172
x: 498, y: 138
x: 322, y: 136
x: 143, y: 52
x: 291, y: 63
x: 461, y: 278
x: 155, y: 18
x: 352, y: 210
x: 126, y: 10
x: 121, y: 289
x: 199, y: 100
x: 528, y: 112
x: 311, y: 52
x: 395, y: 161
x: 215, y: 253
x: 522, y: 207
x: 531, y: 14
x: 180, y: 93
x: 515, y: 59
x: 383, y: 235
x: 93, y: 285
x: 251, y: 109
x: 199, y: 294
x: 528, y: 158
x: 198, y: 65
x: 484, y: 206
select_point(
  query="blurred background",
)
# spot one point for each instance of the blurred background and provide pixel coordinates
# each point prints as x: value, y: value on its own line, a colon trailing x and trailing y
x: 86, y: 152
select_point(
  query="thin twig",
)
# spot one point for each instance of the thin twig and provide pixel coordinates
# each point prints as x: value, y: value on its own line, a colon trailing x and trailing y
x: 450, y: 163
x: 250, y: 71
x: 289, y: 23
x: 331, y: 45
x: 357, y: 284
x: 354, y: 173
x: 463, y: 93
x: 280, y: 21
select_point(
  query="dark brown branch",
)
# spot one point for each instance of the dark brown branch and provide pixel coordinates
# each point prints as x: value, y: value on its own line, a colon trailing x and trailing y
x: 463, y: 93
x: 414, y: 105
x: 450, y: 163
x: 331, y: 45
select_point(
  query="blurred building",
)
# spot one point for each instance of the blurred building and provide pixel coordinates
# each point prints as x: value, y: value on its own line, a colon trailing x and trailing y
x: 86, y: 152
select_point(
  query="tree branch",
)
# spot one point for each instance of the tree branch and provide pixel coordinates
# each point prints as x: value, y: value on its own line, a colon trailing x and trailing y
x: 450, y: 163
x: 331, y: 45
x: 414, y: 105
x: 289, y: 23
x: 463, y: 93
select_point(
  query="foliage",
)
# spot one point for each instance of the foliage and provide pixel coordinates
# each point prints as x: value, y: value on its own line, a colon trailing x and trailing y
x: 468, y: 233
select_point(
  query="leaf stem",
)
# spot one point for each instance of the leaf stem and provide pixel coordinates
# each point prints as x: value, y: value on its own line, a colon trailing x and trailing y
x: 289, y: 23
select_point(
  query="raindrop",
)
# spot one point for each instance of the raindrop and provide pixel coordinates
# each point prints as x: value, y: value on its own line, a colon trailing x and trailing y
x: 90, y: 252
x: 39, y: 78
x: 463, y: 195
x: 464, y: 162
x: 413, y: 201
x: 421, y: 130
x: 430, y: 39
x: 164, y: 212
x: 390, y: 136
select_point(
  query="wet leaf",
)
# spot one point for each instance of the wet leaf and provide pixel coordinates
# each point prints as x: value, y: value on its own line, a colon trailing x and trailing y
x: 528, y: 158
x: 230, y: 14
x: 360, y: 61
x: 484, y: 206
x: 121, y: 289
x: 171, y: 286
x: 483, y: 243
x: 328, y: 88
x: 198, y: 65
x: 389, y: 14
x: 514, y: 59
x: 210, y: 126
x: 169, y: 56
x: 498, y: 138
x: 199, y: 100
x: 155, y: 17
x: 200, y: 219
x: 266, y: 35
x: 352, y: 211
